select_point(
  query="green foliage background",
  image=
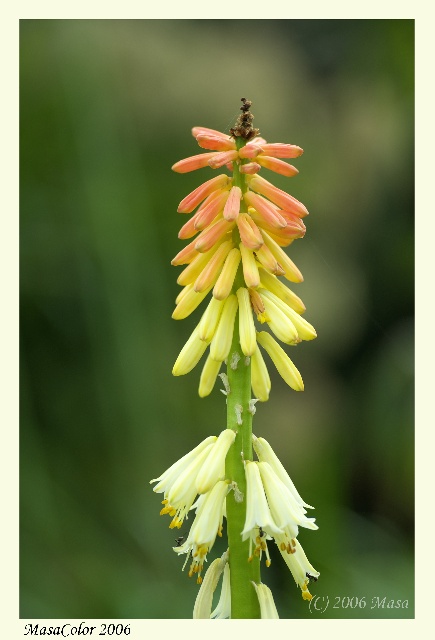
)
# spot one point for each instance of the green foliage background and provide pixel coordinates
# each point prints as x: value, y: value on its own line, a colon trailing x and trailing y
x: 106, y: 109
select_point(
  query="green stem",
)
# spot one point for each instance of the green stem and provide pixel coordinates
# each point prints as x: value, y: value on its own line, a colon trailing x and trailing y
x: 244, y: 601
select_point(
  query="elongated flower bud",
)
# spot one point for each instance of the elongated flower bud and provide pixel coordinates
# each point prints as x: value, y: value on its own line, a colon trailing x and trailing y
x: 208, y: 213
x: 249, y: 232
x: 232, y: 205
x: 219, y: 159
x: 280, y: 324
x: 250, y: 169
x: 248, y: 340
x: 204, y: 599
x: 191, y: 201
x: 215, y: 142
x: 268, y: 260
x: 251, y: 150
x: 279, y: 197
x: 195, y: 268
x: 186, y: 255
x: 209, y: 321
x: 260, y: 379
x: 266, y: 601
x: 212, y: 234
x: 291, y: 272
x: 192, y: 163
x: 221, y: 342
x: 205, y: 131
x: 282, y: 362
x: 304, y: 329
x: 265, y: 209
x: 250, y: 268
x: 208, y: 377
x: 294, y: 228
x: 190, y: 355
x: 210, y: 273
x: 277, y: 165
x: 223, y: 607
x: 224, y: 283
x: 279, y: 150
x: 274, y: 285
x: 188, y: 303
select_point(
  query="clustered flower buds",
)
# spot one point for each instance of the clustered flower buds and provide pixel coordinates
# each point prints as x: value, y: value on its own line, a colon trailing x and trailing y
x: 240, y: 229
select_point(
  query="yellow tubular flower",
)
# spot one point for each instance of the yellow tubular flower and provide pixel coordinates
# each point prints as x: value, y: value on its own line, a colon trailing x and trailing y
x: 282, y: 362
x: 209, y: 321
x: 280, y: 324
x: 266, y: 601
x: 208, y: 377
x: 271, y: 282
x: 250, y: 267
x: 223, y: 607
x: 296, y: 560
x: 210, y: 273
x: 304, y: 329
x: 204, y: 599
x: 190, y: 354
x: 260, y: 380
x: 193, y: 270
x: 248, y: 340
x: 224, y: 283
x: 188, y: 303
x: 221, y: 342
x: 213, y: 468
x: 291, y: 272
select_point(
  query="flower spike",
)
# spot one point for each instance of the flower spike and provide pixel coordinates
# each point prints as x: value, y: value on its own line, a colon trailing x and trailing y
x: 238, y: 225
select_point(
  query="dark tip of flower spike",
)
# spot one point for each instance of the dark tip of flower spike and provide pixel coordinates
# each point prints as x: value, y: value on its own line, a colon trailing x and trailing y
x: 243, y: 127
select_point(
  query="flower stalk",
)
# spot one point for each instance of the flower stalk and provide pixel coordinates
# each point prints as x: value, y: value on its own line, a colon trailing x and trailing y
x: 239, y: 229
x: 244, y: 600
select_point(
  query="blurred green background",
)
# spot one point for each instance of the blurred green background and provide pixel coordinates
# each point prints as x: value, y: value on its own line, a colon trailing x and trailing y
x: 106, y: 109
